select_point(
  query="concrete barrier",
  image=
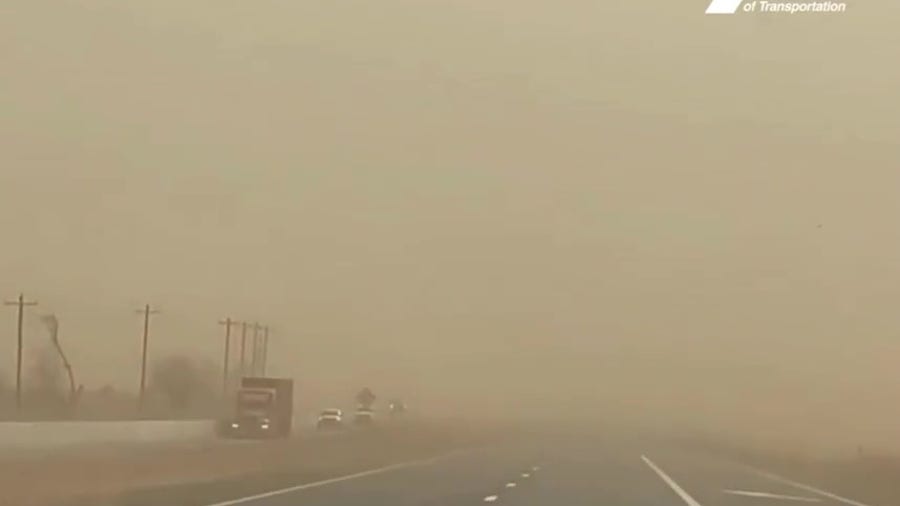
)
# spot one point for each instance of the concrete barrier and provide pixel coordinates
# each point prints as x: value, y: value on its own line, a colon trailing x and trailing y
x: 49, y: 435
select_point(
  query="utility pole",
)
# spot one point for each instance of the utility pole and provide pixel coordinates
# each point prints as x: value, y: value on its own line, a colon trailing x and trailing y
x: 147, y: 311
x: 243, y: 347
x: 265, y: 349
x: 228, y: 323
x: 254, y: 364
x: 21, y: 303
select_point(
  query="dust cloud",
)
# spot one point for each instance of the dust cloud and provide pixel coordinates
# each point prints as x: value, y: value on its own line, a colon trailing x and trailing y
x: 499, y: 209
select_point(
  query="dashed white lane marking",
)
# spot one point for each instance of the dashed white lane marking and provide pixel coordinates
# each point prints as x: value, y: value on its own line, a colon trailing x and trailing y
x: 536, y: 468
x: 808, y: 488
x: 690, y: 501
x: 526, y: 475
x: 329, y: 481
x: 766, y: 495
x: 511, y: 484
x: 491, y: 498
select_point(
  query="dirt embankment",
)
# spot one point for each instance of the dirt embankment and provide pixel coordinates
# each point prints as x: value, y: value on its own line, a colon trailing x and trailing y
x: 98, y: 476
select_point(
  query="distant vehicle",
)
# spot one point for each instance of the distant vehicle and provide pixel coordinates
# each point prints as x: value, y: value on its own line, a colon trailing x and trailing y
x: 330, y: 419
x: 264, y: 408
x: 365, y: 398
x: 397, y: 407
x: 364, y: 417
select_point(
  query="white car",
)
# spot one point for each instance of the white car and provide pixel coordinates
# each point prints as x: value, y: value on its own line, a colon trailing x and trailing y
x: 330, y: 419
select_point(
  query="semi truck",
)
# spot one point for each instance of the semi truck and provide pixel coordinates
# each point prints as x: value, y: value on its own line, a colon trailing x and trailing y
x: 264, y: 408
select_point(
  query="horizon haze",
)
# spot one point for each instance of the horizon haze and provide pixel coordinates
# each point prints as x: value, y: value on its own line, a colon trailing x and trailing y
x: 514, y: 209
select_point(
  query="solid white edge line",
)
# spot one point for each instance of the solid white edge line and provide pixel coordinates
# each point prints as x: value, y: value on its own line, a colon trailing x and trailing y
x: 329, y: 481
x: 690, y: 501
x: 808, y: 488
x: 767, y: 495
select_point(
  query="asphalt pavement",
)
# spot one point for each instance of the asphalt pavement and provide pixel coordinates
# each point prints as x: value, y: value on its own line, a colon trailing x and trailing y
x: 532, y: 472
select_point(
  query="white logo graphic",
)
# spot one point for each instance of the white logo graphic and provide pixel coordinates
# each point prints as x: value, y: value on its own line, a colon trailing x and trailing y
x: 775, y: 6
x: 723, y: 6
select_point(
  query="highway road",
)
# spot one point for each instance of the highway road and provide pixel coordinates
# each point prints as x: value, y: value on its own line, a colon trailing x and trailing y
x: 569, y: 472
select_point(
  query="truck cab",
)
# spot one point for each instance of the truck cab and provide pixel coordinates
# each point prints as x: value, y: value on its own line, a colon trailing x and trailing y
x: 263, y: 408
